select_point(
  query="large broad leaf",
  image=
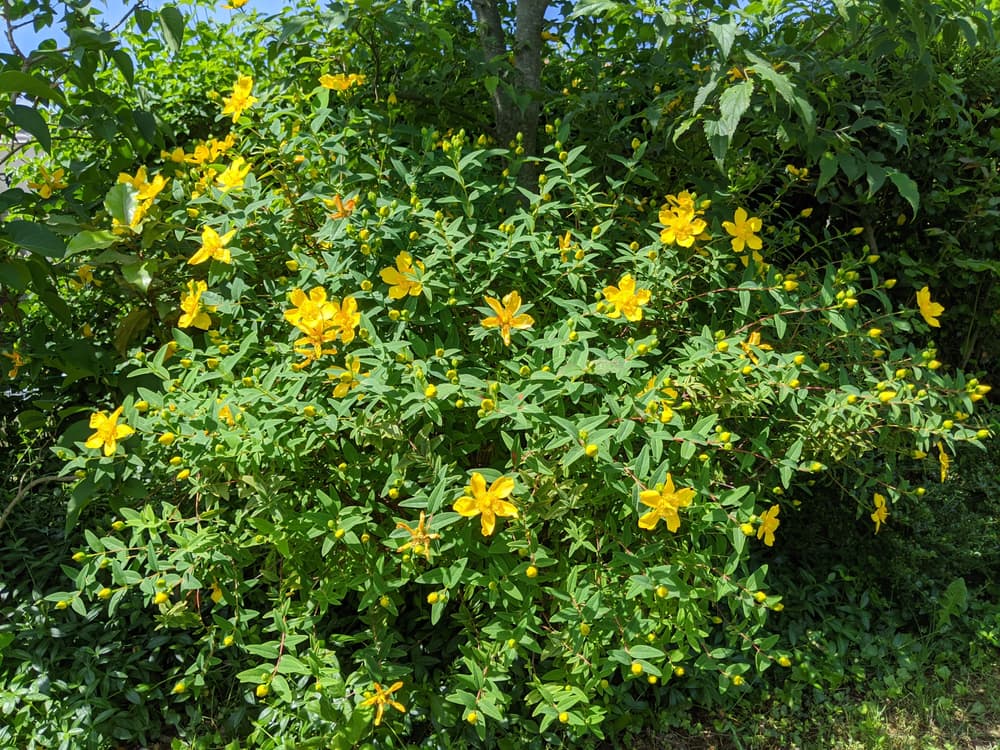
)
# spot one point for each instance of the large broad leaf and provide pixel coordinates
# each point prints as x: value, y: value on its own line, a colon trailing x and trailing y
x: 732, y: 104
x: 131, y: 328
x: 35, y: 238
x: 121, y: 203
x: 16, y: 82
x: 172, y: 22
x: 90, y: 240
x: 724, y: 35
x: 30, y: 121
x: 907, y: 188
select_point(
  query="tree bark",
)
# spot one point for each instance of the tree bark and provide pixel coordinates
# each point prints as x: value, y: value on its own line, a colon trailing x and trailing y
x: 526, y: 52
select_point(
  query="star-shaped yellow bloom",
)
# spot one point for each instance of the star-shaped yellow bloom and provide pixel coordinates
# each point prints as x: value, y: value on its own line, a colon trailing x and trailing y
x: 768, y: 525
x: 347, y: 377
x: 420, y: 538
x: 402, y: 279
x: 234, y: 175
x: 626, y: 299
x: 929, y: 310
x: 743, y: 229
x: 487, y: 503
x: 213, y: 246
x: 107, y: 431
x: 341, y: 208
x: 506, y: 316
x: 382, y: 698
x: 681, y: 226
x: 665, y: 503
x: 195, y: 314
x: 881, y: 512
x: 240, y: 99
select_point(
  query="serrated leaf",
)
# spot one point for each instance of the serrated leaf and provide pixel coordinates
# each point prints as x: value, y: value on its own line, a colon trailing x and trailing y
x: 907, y: 188
x: 827, y: 169
x: 732, y: 104
x: 724, y: 35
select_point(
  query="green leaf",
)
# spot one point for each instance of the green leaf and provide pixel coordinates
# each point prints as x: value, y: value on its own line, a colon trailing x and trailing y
x: 121, y: 203
x: 732, y: 104
x: 907, y: 188
x: 17, y: 82
x: 90, y: 240
x: 15, y: 275
x: 140, y: 275
x: 724, y: 35
x: 172, y: 22
x: 29, y: 120
x: 827, y: 169
x: 131, y: 328
x: 36, y: 238
x: 124, y: 62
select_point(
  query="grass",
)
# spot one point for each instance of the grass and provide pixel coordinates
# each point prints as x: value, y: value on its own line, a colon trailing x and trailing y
x: 945, y: 712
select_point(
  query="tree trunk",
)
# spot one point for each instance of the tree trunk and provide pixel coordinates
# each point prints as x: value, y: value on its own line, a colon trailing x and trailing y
x: 526, y: 51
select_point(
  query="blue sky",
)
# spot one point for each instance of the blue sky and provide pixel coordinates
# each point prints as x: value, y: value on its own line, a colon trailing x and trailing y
x: 112, y: 11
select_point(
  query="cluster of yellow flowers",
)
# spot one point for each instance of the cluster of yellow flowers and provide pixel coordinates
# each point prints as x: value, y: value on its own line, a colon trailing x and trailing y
x: 682, y: 220
x: 322, y: 321
x: 341, y: 81
x: 146, y: 193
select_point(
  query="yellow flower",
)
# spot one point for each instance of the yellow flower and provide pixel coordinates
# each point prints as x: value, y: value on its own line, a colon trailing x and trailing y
x: 86, y: 275
x: 681, y: 226
x: 213, y: 246
x: 346, y: 318
x: 232, y: 177
x: 742, y: 229
x: 341, y: 82
x: 240, y: 99
x: 506, y: 316
x: 402, y: 280
x: 664, y: 503
x: 881, y: 512
x: 145, y: 190
x: 341, y: 209
x: 754, y: 342
x: 318, y: 332
x: 234, y: 4
x: 17, y: 362
x: 309, y: 307
x: 768, y: 524
x: 107, y: 431
x: 490, y: 503
x: 226, y: 415
x: 216, y: 591
x: 49, y: 183
x: 420, y: 538
x: 944, y: 460
x: 195, y: 314
x: 930, y: 310
x: 347, y: 377
x: 382, y: 698
x: 626, y: 299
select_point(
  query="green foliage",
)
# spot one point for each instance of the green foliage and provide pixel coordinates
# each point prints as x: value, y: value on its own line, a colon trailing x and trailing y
x: 381, y: 432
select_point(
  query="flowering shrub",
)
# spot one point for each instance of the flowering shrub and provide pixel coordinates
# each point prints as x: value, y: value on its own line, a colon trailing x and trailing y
x: 411, y: 425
